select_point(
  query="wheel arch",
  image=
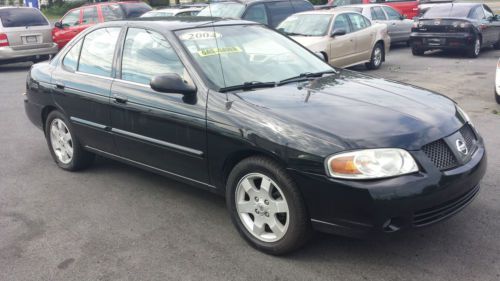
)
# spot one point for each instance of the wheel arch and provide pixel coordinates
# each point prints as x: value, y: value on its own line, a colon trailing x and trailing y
x: 237, y: 156
x: 45, y: 113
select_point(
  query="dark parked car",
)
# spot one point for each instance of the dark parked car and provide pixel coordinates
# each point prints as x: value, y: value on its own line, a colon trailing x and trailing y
x: 463, y: 26
x: 268, y: 12
x: 236, y: 108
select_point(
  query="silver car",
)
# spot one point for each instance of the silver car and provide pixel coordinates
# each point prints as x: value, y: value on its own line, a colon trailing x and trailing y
x: 398, y: 27
x: 25, y: 35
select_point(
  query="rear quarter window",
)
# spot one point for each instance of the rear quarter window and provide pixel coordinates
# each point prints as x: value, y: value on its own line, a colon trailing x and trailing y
x: 19, y: 17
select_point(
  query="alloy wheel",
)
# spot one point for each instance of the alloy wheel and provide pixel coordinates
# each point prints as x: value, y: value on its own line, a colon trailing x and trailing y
x: 377, y: 56
x: 262, y: 207
x: 61, y: 141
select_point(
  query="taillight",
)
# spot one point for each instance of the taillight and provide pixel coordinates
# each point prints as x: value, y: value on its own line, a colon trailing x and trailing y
x: 4, y: 41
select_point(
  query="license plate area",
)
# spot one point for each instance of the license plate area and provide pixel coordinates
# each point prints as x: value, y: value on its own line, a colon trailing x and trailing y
x: 30, y: 39
x: 435, y: 41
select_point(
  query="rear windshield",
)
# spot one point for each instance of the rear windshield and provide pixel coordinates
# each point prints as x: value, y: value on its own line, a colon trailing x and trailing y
x: 455, y: 11
x: 17, y: 17
x: 134, y: 10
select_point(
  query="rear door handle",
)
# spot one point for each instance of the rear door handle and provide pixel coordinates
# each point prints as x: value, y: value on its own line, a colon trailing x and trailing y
x: 59, y: 85
x: 120, y: 99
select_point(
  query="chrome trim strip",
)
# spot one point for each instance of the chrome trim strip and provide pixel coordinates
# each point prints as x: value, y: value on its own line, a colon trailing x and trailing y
x: 146, y: 166
x: 94, y: 75
x: 133, y: 83
x: 156, y: 141
x: 88, y: 123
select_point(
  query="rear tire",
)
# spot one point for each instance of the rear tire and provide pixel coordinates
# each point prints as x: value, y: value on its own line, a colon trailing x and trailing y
x: 417, y: 51
x: 475, y: 50
x: 497, y: 97
x: 376, y: 58
x: 266, y: 206
x: 64, y: 145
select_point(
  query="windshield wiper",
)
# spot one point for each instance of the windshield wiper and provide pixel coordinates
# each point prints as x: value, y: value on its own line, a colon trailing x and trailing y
x: 248, y: 86
x: 296, y: 34
x: 305, y: 76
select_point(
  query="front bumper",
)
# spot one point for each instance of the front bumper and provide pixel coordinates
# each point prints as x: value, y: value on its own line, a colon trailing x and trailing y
x: 15, y: 54
x: 374, y: 207
x: 428, y: 41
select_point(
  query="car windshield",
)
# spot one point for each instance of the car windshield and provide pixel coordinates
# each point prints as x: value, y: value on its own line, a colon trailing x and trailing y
x: 223, y: 10
x: 237, y: 55
x: 448, y: 11
x: 306, y: 25
x: 18, y: 17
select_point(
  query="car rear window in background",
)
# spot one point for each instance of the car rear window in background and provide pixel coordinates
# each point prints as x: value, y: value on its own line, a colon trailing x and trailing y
x: 112, y: 12
x: 17, y: 17
x: 279, y: 11
x: 133, y: 10
x: 448, y: 11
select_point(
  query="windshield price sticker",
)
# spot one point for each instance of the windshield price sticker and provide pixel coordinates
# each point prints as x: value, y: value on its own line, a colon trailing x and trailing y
x: 200, y: 35
x: 218, y: 51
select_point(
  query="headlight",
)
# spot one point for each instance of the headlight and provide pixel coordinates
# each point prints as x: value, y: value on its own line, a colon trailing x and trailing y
x: 464, y: 115
x: 371, y: 164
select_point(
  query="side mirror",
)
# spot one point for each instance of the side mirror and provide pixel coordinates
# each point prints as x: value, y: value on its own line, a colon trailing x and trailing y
x: 59, y: 25
x: 338, y: 32
x: 171, y: 83
x: 403, y: 17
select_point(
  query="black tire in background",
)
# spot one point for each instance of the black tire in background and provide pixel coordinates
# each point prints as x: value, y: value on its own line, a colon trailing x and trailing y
x: 299, y: 227
x: 474, y: 51
x: 80, y: 158
x: 417, y: 51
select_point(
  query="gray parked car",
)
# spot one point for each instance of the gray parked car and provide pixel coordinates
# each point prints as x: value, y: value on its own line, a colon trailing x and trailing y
x: 398, y: 27
x: 25, y: 35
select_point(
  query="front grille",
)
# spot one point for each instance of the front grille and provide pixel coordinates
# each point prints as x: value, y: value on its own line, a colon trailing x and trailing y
x: 469, y: 137
x: 440, y: 154
x: 434, y: 214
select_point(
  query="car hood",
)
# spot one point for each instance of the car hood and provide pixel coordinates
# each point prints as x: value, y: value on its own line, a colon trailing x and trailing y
x: 353, y: 111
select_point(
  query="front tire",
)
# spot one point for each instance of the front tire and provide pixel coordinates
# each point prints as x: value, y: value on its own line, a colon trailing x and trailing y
x: 266, y: 206
x: 376, y: 58
x: 63, y: 144
x: 497, y: 97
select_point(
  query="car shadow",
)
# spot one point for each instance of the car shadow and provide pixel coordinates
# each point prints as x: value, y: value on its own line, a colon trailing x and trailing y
x: 15, y: 67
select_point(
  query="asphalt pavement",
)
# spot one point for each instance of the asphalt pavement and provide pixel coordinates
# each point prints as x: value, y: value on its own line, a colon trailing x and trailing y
x: 115, y: 222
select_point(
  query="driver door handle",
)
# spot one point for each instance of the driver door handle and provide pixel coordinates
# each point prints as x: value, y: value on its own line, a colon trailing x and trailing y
x: 120, y: 99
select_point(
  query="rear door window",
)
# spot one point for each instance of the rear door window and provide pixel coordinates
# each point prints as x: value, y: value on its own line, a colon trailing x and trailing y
x: 377, y: 13
x: 72, y: 18
x: 278, y: 11
x: 112, y: 12
x: 391, y: 13
x: 20, y: 17
x: 98, y: 50
x: 256, y: 13
x: 90, y: 15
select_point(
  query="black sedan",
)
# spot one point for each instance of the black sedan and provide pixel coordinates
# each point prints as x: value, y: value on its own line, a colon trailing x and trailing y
x: 460, y: 26
x: 238, y: 109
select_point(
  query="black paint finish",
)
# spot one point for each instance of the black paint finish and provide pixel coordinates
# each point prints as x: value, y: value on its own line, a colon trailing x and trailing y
x: 199, y: 140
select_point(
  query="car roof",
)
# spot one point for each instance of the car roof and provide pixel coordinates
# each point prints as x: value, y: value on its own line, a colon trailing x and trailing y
x: 326, y: 12
x: 246, y: 2
x: 176, y: 23
x: 182, y: 9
